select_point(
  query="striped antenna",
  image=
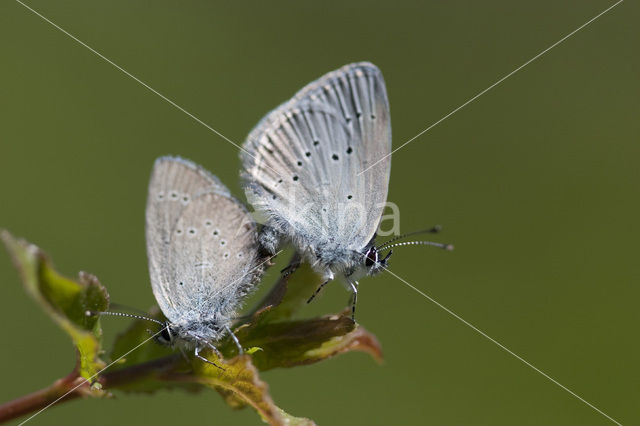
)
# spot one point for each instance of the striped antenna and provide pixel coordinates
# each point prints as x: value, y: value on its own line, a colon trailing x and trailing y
x: 432, y: 230
x: 122, y: 314
x: 443, y: 246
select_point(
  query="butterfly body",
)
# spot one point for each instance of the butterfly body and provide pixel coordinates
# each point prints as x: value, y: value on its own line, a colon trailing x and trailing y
x: 188, y: 333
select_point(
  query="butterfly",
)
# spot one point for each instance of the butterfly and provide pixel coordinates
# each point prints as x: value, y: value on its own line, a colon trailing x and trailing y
x: 318, y: 168
x: 204, y: 255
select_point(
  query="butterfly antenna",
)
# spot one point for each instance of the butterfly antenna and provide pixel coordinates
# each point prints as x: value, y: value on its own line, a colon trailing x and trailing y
x: 432, y: 230
x: 443, y: 246
x: 122, y: 314
x: 121, y: 307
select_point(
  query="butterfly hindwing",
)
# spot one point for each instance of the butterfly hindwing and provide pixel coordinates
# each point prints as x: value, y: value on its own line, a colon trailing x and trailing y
x: 303, y: 161
x: 201, y: 243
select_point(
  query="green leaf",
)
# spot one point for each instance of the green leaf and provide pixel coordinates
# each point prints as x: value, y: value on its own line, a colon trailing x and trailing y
x: 238, y: 382
x: 292, y: 343
x: 267, y: 345
x: 289, y: 343
x: 64, y: 300
x: 288, y: 294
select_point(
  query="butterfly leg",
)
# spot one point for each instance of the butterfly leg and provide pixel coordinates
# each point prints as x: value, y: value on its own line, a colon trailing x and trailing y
x: 313, y: 296
x: 294, y: 264
x: 235, y: 340
x: 354, y: 300
x: 197, y: 354
x: 214, y: 349
x: 291, y: 268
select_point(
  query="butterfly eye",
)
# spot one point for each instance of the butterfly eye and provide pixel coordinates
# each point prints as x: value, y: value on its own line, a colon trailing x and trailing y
x: 372, y: 257
x: 165, y: 336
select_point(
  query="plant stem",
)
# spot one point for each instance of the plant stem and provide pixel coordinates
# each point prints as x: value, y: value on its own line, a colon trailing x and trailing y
x: 41, y: 399
x: 38, y: 400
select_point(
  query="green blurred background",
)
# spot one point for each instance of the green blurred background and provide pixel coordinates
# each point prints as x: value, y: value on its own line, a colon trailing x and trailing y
x: 536, y: 183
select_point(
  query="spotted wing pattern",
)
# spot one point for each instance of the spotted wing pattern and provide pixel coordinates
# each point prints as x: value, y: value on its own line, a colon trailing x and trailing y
x: 201, y: 243
x: 303, y: 161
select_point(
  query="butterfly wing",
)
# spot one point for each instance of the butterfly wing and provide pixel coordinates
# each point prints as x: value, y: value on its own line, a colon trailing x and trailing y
x: 303, y: 161
x: 201, y: 243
